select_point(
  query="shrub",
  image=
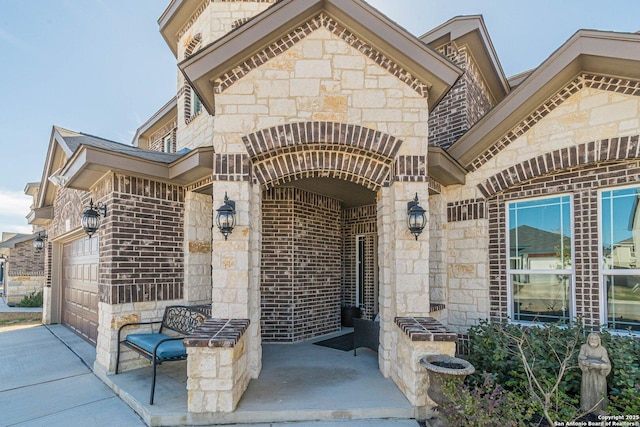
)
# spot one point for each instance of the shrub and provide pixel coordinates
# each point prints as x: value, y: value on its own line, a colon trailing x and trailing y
x: 550, y: 351
x: 34, y: 299
x: 486, y: 404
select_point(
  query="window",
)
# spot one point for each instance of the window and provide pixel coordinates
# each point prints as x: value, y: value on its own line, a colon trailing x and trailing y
x: 540, y: 272
x: 620, y: 236
x: 167, y: 143
x: 192, y: 104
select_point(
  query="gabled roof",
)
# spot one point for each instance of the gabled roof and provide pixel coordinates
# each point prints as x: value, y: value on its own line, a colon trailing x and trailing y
x: 76, y: 160
x: 221, y: 56
x: 472, y: 32
x: 535, y: 241
x: 18, y: 238
x: 165, y: 114
x: 597, y: 52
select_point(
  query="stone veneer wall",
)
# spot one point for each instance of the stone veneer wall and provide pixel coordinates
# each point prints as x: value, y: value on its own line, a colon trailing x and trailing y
x: 212, y: 20
x: 466, y: 103
x: 586, y: 135
x: 360, y: 221
x: 300, y: 288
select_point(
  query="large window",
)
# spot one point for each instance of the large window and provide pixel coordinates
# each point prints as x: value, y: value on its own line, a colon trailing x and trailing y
x: 620, y: 237
x: 540, y: 271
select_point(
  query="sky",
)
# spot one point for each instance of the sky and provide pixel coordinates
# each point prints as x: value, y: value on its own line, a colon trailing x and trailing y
x: 101, y: 67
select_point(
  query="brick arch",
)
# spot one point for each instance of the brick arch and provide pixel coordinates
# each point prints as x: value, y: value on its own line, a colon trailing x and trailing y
x: 603, y: 151
x: 293, y: 151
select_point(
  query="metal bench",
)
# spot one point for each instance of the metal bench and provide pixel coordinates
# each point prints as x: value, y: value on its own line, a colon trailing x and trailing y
x: 159, y: 347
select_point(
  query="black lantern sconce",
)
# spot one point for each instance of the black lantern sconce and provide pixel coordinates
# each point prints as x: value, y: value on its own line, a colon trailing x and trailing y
x: 38, y: 243
x: 226, y: 218
x: 416, y: 217
x: 92, y: 216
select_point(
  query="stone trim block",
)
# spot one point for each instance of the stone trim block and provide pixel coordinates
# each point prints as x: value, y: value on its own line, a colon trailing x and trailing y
x: 217, y: 333
x: 424, y: 329
x: 612, y: 84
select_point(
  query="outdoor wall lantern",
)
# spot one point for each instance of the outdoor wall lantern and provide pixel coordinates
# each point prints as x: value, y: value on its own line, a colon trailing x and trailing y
x: 92, y: 216
x: 226, y: 218
x: 38, y: 243
x: 416, y: 218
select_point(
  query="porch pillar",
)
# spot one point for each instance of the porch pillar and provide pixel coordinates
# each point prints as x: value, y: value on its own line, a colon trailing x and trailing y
x: 235, y: 265
x: 404, y: 275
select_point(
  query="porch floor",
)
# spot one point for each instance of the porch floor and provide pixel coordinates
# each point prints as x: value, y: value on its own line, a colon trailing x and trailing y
x: 298, y: 382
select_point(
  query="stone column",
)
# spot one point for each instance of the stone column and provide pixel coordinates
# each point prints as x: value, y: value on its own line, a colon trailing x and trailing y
x: 236, y: 264
x: 403, y: 263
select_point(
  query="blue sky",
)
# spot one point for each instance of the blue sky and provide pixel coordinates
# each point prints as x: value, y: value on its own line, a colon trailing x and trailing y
x: 102, y: 68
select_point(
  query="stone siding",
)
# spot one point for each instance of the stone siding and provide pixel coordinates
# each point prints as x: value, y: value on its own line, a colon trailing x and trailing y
x: 579, y: 141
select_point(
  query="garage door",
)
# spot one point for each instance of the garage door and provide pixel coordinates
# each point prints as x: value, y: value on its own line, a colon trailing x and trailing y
x: 80, y: 287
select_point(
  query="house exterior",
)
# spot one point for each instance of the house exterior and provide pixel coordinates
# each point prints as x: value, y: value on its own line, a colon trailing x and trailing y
x: 322, y: 120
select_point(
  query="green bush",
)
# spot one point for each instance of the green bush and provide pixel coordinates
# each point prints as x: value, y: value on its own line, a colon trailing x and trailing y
x: 493, y: 348
x: 486, y: 404
x: 34, y: 299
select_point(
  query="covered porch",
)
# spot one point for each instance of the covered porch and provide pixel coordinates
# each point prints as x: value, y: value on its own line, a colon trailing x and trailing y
x: 298, y: 382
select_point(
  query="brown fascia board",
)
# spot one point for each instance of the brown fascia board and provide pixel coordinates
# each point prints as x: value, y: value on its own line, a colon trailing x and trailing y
x: 598, y: 52
x: 214, y: 60
x: 155, y: 122
x: 471, y: 31
x: 89, y: 164
x: 444, y: 169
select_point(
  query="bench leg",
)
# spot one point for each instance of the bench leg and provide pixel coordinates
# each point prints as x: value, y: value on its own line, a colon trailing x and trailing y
x: 153, y: 382
x: 118, y: 357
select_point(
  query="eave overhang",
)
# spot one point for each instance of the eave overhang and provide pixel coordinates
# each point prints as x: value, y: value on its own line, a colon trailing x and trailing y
x: 40, y: 216
x: 203, y: 68
x: 173, y: 19
x: 89, y: 164
x: 443, y: 168
x: 57, y: 154
x: 587, y: 51
x: 168, y: 112
x: 472, y: 32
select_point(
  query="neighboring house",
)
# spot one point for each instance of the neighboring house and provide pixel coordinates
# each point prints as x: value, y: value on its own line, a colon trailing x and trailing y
x: 322, y: 120
x: 22, y: 267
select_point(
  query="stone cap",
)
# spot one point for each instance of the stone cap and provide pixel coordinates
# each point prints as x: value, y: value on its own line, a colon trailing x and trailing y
x: 424, y: 329
x: 217, y: 333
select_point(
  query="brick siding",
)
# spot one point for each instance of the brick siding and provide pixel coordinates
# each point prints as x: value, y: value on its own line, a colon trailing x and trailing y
x: 467, y: 102
x: 582, y: 183
x: 142, y: 241
x: 25, y: 260
x: 300, y: 289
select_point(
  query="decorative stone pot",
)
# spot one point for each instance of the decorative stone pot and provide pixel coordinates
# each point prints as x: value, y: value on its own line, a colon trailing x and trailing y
x: 441, y: 368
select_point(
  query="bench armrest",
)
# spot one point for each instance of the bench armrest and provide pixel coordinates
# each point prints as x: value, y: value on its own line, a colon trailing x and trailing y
x: 137, y: 324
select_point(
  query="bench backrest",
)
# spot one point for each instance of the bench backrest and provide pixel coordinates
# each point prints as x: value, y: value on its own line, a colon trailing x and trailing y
x: 182, y: 319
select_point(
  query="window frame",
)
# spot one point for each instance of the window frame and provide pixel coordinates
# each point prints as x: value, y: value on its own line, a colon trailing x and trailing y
x: 510, y: 273
x: 602, y: 271
x: 168, y: 138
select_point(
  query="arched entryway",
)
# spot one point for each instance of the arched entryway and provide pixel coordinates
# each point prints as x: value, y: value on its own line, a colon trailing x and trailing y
x: 319, y: 184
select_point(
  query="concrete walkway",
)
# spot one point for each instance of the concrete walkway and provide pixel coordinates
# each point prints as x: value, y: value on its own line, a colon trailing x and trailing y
x: 46, y: 380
